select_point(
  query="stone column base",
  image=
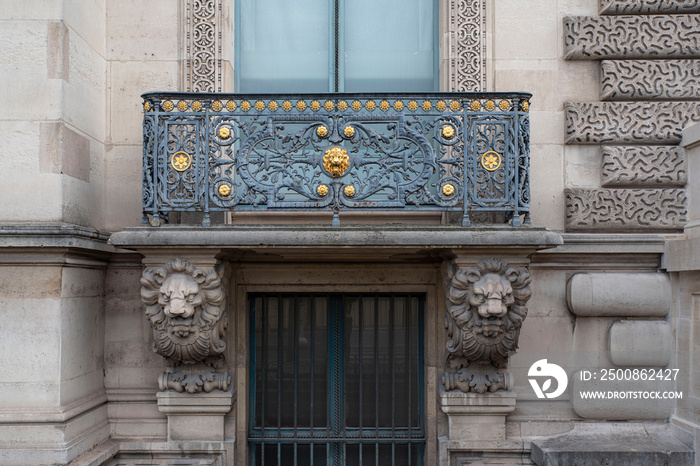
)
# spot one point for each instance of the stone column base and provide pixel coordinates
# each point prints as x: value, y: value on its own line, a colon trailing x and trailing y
x: 197, y: 416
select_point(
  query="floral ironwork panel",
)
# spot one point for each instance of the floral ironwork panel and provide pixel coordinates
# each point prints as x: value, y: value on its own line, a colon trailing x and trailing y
x: 464, y: 152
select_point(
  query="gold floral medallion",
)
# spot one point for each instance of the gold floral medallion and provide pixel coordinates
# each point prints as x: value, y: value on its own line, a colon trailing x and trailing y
x: 491, y: 160
x: 181, y: 161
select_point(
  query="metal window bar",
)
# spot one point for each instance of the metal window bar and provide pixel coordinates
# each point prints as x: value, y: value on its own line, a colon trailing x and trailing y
x: 389, y: 442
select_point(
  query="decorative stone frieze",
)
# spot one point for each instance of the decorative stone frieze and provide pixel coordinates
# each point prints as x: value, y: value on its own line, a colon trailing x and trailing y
x: 625, y: 209
x: 647, y: 7
x: 650, y: 79
x: 628, y: 122
x: 486, y: 305
x: 644, y: 166
x: 653, y: 36
x: 186, y: 307
x: 467, y: 47
x: 203, y: 42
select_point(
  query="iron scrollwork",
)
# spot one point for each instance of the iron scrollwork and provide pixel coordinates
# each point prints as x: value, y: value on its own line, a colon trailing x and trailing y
x: 462, y: 152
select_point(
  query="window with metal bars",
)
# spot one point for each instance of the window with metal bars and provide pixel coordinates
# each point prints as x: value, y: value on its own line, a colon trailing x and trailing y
x: 295, y: 46
x: 336, y: 379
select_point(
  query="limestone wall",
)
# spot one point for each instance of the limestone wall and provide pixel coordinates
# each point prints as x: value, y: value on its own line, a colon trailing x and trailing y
x: 53, y: 126
x: 78, y: 360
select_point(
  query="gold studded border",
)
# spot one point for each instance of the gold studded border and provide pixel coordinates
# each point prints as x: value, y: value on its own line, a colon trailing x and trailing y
x: 378, y: 105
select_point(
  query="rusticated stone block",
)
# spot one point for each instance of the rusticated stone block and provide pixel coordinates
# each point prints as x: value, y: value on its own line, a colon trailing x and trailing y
x: 653, y: 166
x: 648, y: 7
x: 619, y: 294
x: 641, y: 343
x: 654, y: 36
x: 650, y: 79
x: 628, y: 122
x: 625, y: 209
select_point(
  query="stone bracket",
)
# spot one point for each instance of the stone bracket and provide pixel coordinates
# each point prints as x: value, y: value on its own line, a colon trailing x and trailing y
x: 486, y: 305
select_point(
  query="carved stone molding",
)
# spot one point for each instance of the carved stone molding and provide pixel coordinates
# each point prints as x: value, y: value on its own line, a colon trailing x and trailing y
x: 625, y: 209
x: 186, y: 307
x: 656, y: 36
x: 628, y: 122
x: 650, y: 79
x: 203, y: 42
x: 486, y: 306
x: 647, y: 7
x: 467, y: 47
x: 661, y: 166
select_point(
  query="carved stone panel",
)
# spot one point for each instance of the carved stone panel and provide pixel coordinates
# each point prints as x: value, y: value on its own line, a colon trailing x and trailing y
x: 186, y: 307
x: 657, y: 36
x: 628, y: 122
x: 644, y: 166
x: 648, y: 7
x: 486, y: 306
x: 650, y: 79
x: 203, y: 42
x: 625, y: 209
x: 467, y: 47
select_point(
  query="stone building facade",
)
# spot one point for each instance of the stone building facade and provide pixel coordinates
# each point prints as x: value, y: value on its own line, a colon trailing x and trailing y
x: 99, y: 368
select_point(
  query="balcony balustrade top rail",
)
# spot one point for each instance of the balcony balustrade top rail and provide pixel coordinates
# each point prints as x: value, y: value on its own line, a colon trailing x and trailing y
x: 465, y: 152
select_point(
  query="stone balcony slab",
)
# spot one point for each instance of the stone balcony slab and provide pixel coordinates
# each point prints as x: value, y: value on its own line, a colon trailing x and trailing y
x: 369, y: 242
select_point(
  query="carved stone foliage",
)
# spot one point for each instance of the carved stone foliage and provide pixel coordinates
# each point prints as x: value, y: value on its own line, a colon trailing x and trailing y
x: 628, y: 122
x: 647, y: 7
x: 644, y: 166
x: 625, y: 209
x: 486, y: 306
x: 467, y: 48
x: 654, y: 36
x: 650, y: 79
x: 203, y: 39
x: 186, y: 307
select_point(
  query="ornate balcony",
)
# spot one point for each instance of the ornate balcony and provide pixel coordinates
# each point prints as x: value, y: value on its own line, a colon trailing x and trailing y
x: 463, y: 152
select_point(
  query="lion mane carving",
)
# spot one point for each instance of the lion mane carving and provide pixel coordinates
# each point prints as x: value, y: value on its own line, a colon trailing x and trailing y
x: 486, y: 306
x: 186, y: 308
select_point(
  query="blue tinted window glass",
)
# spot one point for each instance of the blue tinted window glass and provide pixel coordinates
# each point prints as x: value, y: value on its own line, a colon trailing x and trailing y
x: 284, y: 46
x: 388, y: 45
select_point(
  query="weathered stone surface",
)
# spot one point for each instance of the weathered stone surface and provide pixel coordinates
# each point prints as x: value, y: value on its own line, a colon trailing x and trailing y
x: 477, y: 417
x: 195, y: 417
x: 642, y: 166
x: 621, y: 444
x: 646, y: 7
x: 303, y: 236
x: 642, y: 343
x: 621, y: 400
x: 653, y: 36
x: 619, y: 294
x: 625, y: 209
x: 486, y: 306
x: 185, y: 306
x: 650, y: 79
x: 628, y: 122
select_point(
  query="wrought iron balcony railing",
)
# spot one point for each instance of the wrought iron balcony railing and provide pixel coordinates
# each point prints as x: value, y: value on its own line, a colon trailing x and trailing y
x: 465, y: 152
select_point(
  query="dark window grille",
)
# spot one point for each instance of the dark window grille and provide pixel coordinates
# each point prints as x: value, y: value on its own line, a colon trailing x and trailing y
x: 336, y: 379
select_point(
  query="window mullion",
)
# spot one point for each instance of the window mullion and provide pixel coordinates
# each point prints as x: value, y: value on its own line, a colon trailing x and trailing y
x: 339, y: 45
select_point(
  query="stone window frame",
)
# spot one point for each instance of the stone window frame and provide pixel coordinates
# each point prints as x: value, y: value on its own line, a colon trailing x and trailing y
x: 315, y: 283
x: 465, y: 63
